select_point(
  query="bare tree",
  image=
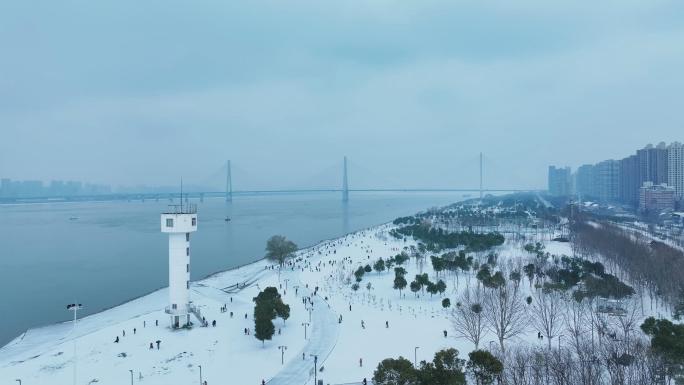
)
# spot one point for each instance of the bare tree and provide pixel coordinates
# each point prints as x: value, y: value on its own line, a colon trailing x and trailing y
x: 562, y: 367
x: 467, y: 318
x: 534, y: 366
x: 629, y: 321
x: 505, y: 312
x: 576, y: 318
x: 547, y: 313
x: 579, y: 328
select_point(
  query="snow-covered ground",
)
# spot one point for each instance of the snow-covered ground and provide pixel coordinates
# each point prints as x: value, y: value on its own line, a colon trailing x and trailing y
x: 410, y: 326
x: 45, y: 355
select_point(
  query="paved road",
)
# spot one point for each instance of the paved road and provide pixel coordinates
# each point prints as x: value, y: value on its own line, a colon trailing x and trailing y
x: 322, y: 339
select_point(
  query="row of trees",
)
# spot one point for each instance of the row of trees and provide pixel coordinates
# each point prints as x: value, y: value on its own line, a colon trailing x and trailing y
x: 598, y: 348
x: 624, y: 358
x: 610, y: 365
x: 566, y: 273
x: 498, y: 305
x: 439, y: 239
x: 515, y: 212
x: 380, y: 265
x: 445, y: 369
x: 452, y: 262
x: 654, y: 265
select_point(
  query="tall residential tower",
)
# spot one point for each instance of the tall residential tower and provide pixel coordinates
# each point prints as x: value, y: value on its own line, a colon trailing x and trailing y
x: 559, y: 181
x: 675, y: 169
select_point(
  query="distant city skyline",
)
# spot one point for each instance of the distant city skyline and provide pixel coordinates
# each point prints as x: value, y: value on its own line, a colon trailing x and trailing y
x: 10, y: 188
x: 650, y: 178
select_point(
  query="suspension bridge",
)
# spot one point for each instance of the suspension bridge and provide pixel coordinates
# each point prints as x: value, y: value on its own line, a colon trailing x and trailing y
x: 229, y: 191
x: 345, y: 189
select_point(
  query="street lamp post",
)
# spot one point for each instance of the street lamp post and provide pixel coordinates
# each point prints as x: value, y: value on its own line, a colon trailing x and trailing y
x: 310, y: 310
x: 200, y: 367
x: 305, y: 324
x: 415, y: 356
x: 286, y: 281
x: 315, y: 368
x: 131, y: 370
x: 282, y: 348
x: 74, y: 307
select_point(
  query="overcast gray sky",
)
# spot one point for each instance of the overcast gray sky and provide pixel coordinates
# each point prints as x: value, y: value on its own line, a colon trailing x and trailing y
x: 142, y: 92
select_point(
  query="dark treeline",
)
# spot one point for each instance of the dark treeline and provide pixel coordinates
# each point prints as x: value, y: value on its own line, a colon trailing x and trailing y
x: 520, y: 209
x: 440, y: 239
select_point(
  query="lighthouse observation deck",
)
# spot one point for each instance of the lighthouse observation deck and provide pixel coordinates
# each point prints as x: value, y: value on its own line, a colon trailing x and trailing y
x: 179, y: 219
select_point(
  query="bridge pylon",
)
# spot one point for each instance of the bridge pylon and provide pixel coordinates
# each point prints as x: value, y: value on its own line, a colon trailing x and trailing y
x: 481, y: 189
x: 345, y: 183
x: 229, y: 183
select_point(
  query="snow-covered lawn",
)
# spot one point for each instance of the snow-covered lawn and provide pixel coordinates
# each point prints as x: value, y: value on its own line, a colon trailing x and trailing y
x: 45, y: 356
x: 348, y: 352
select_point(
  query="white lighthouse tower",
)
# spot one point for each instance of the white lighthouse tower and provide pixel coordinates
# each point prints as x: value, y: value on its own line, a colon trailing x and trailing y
x: 179, y: 222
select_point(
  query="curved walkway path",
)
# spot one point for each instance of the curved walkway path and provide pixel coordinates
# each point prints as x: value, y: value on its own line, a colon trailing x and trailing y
x: 322, y: 340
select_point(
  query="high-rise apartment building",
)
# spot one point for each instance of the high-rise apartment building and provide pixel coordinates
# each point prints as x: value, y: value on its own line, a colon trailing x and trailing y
x: 653, y: 164
x: 628, y: 191
x: 675, y: 169
x: 607, y: 180
x: 559, y: 181
x: 5, y: 187
x: 584, y: 181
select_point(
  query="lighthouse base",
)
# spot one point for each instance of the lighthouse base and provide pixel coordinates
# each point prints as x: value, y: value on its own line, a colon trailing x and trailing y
x: 180, y: 321
x: 179, y: 315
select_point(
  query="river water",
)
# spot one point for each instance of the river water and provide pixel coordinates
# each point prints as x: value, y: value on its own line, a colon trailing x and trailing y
x: 104, y: 253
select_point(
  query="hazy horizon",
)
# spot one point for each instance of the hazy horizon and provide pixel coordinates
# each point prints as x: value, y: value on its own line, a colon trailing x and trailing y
x: 132, y: 93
